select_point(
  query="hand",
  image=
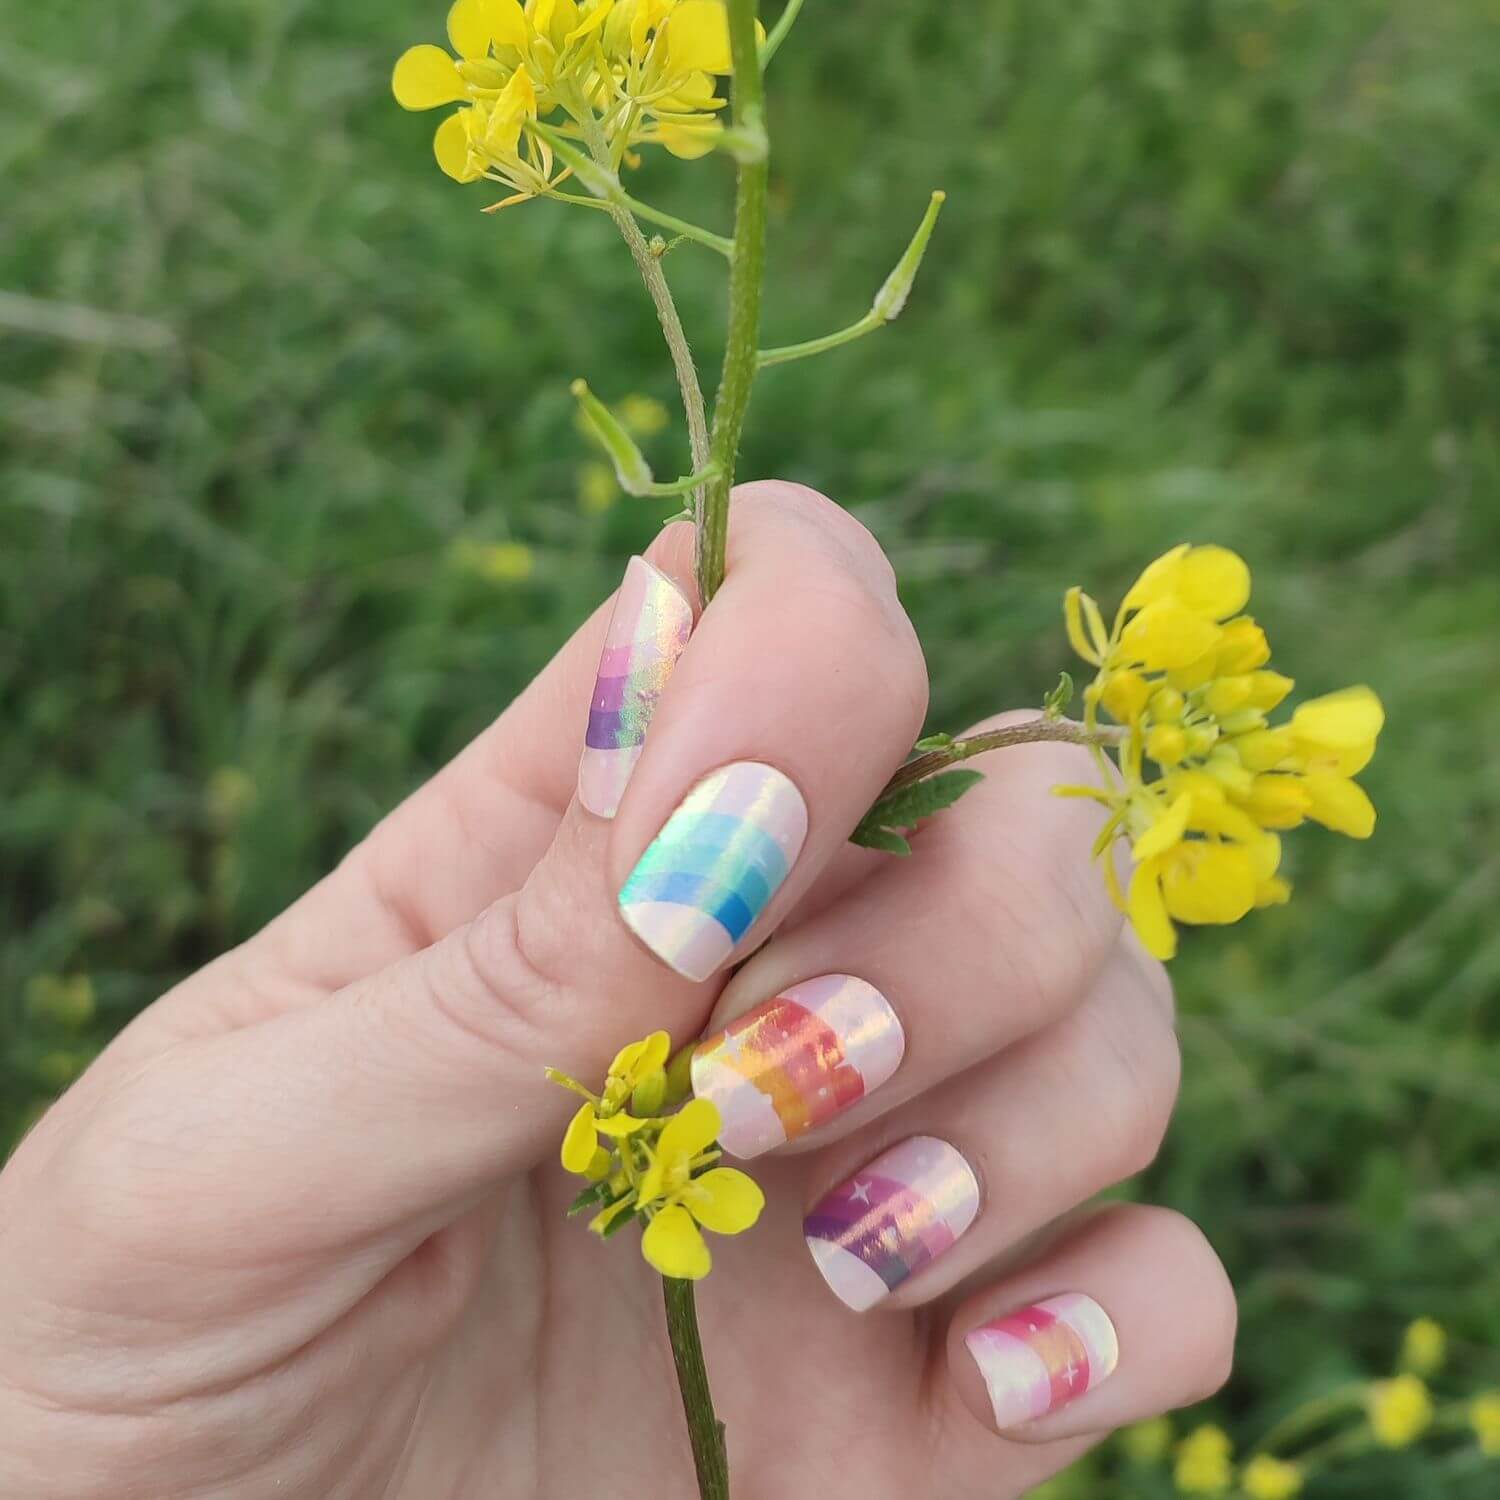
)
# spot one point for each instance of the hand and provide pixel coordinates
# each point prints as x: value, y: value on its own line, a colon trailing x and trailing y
x: 299, y: 1231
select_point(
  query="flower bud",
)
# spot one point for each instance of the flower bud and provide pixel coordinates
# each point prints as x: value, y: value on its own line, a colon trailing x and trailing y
x: 1167, y: 705
x: 1166, y: 744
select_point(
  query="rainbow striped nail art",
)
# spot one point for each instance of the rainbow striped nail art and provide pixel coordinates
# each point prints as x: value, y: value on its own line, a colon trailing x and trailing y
x: 885, y: 1223
x: 1042, y: 1357
x: 647, y: 633
x: 710, y: 872
x: 797, y: 1060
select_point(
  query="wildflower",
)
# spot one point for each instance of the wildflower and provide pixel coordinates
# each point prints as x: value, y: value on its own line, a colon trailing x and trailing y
x: 624, y: 72
x: 597, y: 488
x: 677, y: 1197
x: 1400, y: 1410
x: 638, y: 1071
x: 1423, y: 1346
x: 60, y: 1000
x: 1205, y: 784
x: 1267, y: 1478
x: 1204, y: 1464
x: 495, y: 562
x: 1484, y: 1415
x: 1149, y: 1441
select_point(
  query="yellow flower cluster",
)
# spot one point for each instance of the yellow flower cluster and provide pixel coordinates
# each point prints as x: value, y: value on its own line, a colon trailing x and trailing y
x: 1204, y: 1462
x: 620, y: 72
x: 1400, y: 1410
x: 659, y: 1169
x: 1267, y: 1478
x: 1204, y: 783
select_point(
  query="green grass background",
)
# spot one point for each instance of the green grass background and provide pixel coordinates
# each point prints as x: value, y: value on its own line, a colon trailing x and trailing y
x: 1210, y: 269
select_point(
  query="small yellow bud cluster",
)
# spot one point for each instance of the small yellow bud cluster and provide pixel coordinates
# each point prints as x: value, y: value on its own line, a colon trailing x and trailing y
x: 1204, y: 782
x: 621, y: 72
x: 659, y: 1169
x: 1204, y: 1462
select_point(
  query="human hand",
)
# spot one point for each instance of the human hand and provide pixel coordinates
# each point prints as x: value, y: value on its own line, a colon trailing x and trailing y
x: 299, y: 1231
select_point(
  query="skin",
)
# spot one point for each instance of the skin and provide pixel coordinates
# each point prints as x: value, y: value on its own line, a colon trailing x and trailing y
x: 299, y: 1231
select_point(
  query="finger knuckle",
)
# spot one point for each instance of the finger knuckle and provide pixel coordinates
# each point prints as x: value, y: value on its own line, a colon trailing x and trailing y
x: 1207, y: 1336
x: 1147, y: 1063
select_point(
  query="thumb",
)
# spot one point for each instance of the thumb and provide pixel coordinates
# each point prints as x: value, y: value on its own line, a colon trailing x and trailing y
x: 409, y: 1092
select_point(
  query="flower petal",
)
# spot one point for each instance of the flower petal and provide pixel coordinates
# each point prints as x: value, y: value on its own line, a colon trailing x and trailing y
x: 692, y: 1128
x: 1167, y: 635
x: 1148, y: 912
x: 644, y: 1056
x: 580, y: 1141
x: 725, y: 1200
x: 469, y: 28
x: 1212, y: 581
x: 1346, y: 720
x: 507, y: 23
x: 451, y: 147
x: 674, y: 1246
x: 1209, y: 883
x: 1166, y: 832
x: 698, y: 37
x: 426, y: 77
x: 618, y: 1126
x: 1340, y: 804
x: 1156, y: 579
x: 689, y: 142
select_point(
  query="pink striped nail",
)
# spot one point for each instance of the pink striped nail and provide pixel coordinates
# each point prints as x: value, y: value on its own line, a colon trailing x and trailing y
x: 1039, y: 1359
x: 647, y: 633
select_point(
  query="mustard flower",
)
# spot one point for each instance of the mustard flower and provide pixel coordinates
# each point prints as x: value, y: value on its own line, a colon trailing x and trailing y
x: 677, y: 1197
x: 625, y: 72
x: 637, y: 1072
x: 1424, y: 1346
x: 1484, y: 1416
x: 1267, y: 1478
x: 1400, y: 1410
x: 1149, y: 1441
x: 1204, y: 784
x: 1204, y: 1462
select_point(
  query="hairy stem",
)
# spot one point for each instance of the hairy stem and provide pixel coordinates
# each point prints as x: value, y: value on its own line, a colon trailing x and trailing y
x: 704, y: 1428
x: 1032, y: 732
x: 746, y: 272
x: 650, y: 268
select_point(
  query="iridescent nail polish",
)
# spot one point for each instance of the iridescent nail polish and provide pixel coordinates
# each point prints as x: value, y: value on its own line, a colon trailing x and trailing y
x: 887, y: 1222
x: 1038, y: 1359
x: 713, y: 868
x: 797, y: 1060
x: 648, y: 630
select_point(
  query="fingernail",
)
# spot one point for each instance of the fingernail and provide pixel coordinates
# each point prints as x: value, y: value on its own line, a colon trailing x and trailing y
x: 710, y: 872
x: 1044, y: 1356
x: 885, y: 1223
x: 647, y: 633
x: 797, y: 1061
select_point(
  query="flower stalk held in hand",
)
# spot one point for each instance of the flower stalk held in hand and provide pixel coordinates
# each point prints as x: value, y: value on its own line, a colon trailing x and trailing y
x: 555, y: 100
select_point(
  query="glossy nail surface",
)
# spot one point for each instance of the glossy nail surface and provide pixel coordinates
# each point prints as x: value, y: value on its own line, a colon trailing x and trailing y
x: 899, y: 1214
x: 1042, y: 1357
x: 797, y: 1060
x: 647, y: 633
x: 710, y: 872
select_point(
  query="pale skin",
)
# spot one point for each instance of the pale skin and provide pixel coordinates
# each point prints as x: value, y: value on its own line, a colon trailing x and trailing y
x: 299, y: 1231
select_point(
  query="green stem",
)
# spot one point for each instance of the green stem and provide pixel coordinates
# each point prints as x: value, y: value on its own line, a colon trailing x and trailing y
x: 688, y: 231
x: 705, y: 1430
x: 746, y: 272
x: 1032, y: 732
x: 805, y: 350
x: 784, y: 24
x: 649, y: 266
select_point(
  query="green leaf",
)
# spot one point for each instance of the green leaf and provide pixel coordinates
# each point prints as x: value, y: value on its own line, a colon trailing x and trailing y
x: 616, y: 1225
x: 880, y: 828
x: 880, y: 838
x: 1057, y: 701
x: 934, y: 742
x: 591, y: 1195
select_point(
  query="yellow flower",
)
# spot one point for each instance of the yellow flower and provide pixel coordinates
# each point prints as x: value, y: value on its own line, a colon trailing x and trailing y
x: 1204, y: 782
x: 1204, y: 1465
x: 1149, y: 1441
x: 676, y: 1201
x: 598, y: 488
x: 1267, y: 1478
x: 1424, y: 1346
x: 638, y: 1071
x: 1400, y: 1410
x: 496, y: 562
x: 627, y: 71
x: 1484, y: 1415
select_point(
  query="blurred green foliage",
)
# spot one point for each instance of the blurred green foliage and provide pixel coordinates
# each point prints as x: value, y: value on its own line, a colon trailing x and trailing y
x: 271, y: 391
